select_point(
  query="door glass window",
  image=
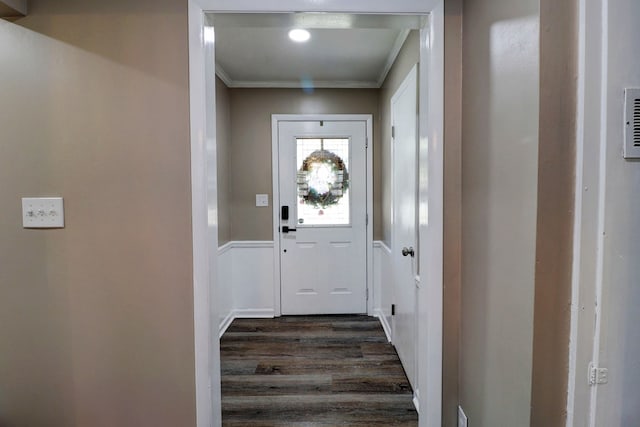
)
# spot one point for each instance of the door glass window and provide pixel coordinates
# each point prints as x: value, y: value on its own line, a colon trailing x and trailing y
x: 323, y: 181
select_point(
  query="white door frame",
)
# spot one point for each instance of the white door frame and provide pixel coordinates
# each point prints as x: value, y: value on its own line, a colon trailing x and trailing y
x: 275, y: 162
x: 204, y: 188
x: 589, y: 217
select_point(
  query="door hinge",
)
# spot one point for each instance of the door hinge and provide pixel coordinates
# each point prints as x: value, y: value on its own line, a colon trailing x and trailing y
x: 598, y: 375
x: 393, y: 309
x: 367, y: 293
x: 366, y: 142
x: 393, y: 131
x: 366, y: 219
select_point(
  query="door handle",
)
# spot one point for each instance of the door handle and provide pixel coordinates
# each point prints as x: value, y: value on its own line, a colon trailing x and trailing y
x: 408, y: 251
x: 287, y: 229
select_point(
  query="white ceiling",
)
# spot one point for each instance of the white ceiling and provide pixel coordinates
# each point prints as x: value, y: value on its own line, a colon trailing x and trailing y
x: 255, y: 51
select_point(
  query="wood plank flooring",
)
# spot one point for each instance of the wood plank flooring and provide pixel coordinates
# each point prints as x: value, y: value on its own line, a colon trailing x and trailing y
x: 312, y: 371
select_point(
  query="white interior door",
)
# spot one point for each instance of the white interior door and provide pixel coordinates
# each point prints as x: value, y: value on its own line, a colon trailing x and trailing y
x: 404, y: 240
x: 323, y: 216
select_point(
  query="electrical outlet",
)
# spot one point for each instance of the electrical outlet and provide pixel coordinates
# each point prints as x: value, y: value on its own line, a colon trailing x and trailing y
x: 462, y: 418
x: 42, y: 212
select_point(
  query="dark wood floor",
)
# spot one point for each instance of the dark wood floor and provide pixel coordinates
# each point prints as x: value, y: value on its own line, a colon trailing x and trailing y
x: 312, y: 371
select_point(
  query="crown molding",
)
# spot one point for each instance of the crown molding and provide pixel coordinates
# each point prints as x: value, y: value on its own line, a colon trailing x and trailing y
x: 393, y: 55
x: 13, y: 8
x: 293, y: 84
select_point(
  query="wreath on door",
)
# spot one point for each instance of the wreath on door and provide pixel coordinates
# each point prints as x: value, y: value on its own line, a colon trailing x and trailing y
x: 322, y: 179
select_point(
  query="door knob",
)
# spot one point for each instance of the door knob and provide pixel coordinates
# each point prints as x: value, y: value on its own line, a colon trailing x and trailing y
x: 408, y: 251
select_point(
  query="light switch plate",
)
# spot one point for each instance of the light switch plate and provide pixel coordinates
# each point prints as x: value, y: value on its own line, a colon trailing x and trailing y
x: 42, y: 212
x: 262, y: 200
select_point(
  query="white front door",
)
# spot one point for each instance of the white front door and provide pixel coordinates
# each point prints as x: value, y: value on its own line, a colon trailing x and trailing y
x: 404, y: 240
x: 323, y: 212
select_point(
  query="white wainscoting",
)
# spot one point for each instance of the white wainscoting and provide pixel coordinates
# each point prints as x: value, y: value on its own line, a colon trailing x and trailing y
x: 225, y: 283
x: 247, y: 288
x: 245, y: 275
x: 383, y: 285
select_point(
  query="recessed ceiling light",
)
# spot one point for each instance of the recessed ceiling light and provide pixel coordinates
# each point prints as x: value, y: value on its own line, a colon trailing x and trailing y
x: 299, y: 35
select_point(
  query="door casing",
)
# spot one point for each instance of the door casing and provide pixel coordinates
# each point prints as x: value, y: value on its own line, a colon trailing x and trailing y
x: 204, y: 188
x: 275, y: 162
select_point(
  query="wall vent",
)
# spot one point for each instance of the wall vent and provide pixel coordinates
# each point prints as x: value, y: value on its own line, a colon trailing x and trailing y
x: 632, y: 124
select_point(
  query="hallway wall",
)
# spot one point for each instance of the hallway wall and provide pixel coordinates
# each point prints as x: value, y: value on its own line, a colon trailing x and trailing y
x: 499, y: 208
x: 250, y: 170
x: 96, y: 319
x: 223, y: 147
x: 619, y: 181
x: 408, y: 56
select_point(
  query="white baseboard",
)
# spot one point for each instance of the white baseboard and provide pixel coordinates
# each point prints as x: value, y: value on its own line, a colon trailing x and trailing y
x: 247, y: 313
x: 383, y: 321
x: 226, y: 322
x: 257, y: 313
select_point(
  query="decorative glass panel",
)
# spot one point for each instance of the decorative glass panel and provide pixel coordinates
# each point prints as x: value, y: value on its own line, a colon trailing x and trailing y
x: 323, y: 181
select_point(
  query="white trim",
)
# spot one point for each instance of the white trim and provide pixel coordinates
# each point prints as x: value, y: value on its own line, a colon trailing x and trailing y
x: 416, y: 400
x: 382, y: 245
x: 293, y: 84
x: 370, y: 216
x: 345, y: 6
x: 275, y: 118
x: 252, y: 244
x: 225, y: 248
x: 431, y: 216
x: 602, y: 187
x: 431, y: 131
x: 590, y: 183
x: 202, y: 123
x: 296, y: 84
x: 245, y: 313
x: 393, y: 55
x: 224, y: 325
x: 254, y: 313
x: 275, y: 168
x: 316, y: 117
x: 224, y: 76
x: 383, y: 321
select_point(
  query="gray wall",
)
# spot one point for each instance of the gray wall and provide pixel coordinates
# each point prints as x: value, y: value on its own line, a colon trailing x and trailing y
x: 409, y: 56
x: 223, y: 146
x: 96, y: 320
x: 499, y: 209
x: 250, y: 166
